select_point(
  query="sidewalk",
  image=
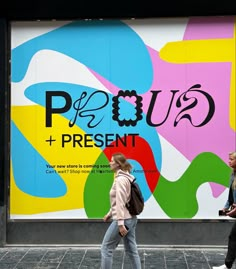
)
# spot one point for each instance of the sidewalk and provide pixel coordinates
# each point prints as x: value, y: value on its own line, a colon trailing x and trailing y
x: 60, y: 257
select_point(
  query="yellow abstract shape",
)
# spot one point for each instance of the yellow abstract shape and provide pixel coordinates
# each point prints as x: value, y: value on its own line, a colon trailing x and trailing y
x: 205, y: 51
x: 30, y: 120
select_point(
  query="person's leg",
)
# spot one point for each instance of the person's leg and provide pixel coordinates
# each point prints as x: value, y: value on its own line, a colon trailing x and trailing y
x: 109, y: 244
x: 130, y: 243
x: 231, y: 252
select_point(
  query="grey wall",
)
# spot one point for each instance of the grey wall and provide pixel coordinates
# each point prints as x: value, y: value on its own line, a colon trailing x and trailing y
x: 172, y: 233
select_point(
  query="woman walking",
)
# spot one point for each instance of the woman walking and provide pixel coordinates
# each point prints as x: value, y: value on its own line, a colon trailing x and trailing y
x: 123, y: 224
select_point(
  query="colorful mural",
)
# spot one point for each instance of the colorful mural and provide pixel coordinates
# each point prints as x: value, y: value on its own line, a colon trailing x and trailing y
x: 162, y: 91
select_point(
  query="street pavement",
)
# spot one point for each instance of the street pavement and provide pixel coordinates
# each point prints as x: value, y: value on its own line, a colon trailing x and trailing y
x: 73, y: 257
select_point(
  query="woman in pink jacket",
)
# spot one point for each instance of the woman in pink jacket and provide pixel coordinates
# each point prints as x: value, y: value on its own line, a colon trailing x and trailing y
x: 123, y: 225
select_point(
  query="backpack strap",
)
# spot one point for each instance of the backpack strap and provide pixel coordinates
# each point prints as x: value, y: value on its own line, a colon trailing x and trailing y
x: 127, y: 176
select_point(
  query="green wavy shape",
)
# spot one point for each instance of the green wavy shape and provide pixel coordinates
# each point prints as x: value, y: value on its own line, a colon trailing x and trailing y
x: 178, y: 199
x: 97, y: 188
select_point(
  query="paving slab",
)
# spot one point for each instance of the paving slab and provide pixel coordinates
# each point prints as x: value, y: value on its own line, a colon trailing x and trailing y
x: 87, y: 257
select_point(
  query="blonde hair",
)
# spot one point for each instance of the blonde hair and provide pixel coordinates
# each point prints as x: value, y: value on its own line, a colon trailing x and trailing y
x: 233, y: 155
x: 120, y: 159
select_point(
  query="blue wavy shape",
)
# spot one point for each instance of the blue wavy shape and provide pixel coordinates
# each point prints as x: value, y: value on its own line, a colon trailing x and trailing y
x: 140, y: 179
x: 109, y: 47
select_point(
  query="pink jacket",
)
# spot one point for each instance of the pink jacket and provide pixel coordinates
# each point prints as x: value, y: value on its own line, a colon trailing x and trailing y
x: 119, y: 196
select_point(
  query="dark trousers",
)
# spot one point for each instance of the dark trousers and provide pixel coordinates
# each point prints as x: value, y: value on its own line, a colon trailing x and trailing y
x: 231, y: 252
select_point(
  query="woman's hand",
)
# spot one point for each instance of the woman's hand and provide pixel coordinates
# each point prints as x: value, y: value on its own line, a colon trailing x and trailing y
x: 106, y: 217
x: 122, y: 230
x: 232, y: 213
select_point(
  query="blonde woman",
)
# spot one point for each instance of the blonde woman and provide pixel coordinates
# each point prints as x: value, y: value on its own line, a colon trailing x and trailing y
x: 231, y: 201
x: 123, y: 225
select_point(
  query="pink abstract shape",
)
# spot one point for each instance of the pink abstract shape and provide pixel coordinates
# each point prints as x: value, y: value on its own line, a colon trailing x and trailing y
x: 209, y: 28
x: 214, y: 79
x: 217, y: 189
